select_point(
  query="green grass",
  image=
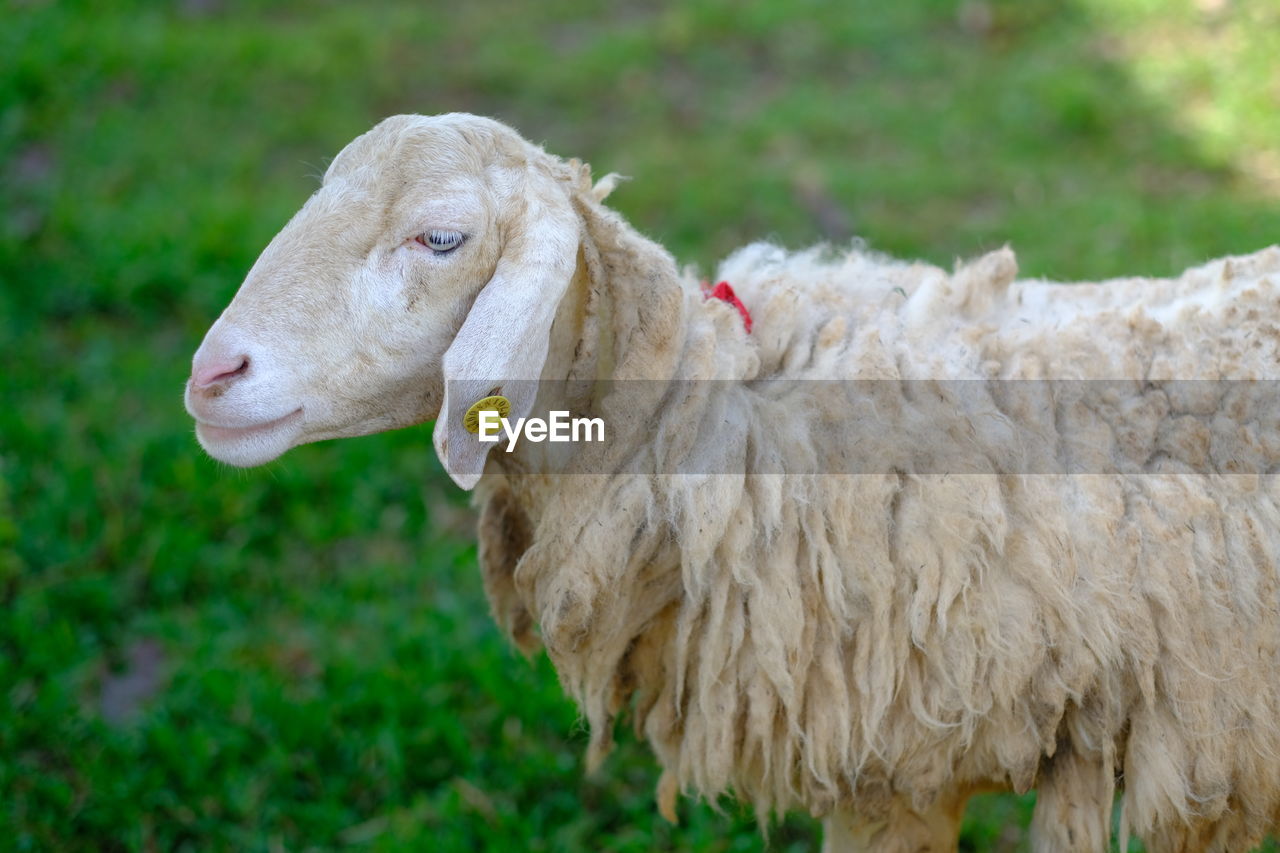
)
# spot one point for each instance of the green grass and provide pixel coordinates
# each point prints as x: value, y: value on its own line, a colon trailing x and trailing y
x: 300, y: 657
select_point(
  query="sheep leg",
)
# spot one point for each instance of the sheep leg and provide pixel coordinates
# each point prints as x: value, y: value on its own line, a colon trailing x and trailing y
x: 903, y: 830
x: 1074, y: 796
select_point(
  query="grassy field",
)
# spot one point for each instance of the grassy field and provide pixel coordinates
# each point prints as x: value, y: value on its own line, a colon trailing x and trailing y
x: 300, y: 657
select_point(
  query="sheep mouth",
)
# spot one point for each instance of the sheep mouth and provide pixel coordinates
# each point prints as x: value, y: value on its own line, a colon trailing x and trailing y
x: 248, y: 445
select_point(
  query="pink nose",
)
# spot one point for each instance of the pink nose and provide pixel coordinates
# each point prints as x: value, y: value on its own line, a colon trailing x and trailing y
x: 224, y: 371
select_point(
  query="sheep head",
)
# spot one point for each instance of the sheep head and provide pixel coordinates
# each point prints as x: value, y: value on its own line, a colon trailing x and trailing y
x: 424, y: 274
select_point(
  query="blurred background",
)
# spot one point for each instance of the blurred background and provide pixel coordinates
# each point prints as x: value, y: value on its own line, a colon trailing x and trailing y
x: 299, y: 657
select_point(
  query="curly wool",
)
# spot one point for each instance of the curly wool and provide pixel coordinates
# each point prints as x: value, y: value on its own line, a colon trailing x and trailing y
x: 876, y: 647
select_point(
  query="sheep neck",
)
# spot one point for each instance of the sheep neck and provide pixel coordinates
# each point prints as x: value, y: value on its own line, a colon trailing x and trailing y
x: 621, y: 333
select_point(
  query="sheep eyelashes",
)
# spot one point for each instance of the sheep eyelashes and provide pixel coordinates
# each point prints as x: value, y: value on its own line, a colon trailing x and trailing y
x: 1048, y: 560
x: 440, y: 241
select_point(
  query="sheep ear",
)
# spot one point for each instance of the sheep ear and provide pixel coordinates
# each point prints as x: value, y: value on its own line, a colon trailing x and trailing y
x: 502, y: 345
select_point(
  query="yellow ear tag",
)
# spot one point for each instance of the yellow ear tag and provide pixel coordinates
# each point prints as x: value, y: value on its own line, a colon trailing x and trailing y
x: 471, y: 420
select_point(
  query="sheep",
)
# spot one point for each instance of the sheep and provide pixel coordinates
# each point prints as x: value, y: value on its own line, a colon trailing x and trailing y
x: 1003, y: 547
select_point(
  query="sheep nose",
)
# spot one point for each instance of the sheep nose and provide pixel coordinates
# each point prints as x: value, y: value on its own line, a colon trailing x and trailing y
x: 221, y: 371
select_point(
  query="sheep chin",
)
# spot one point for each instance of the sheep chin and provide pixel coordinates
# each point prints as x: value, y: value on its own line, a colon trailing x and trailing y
x: 247, y: 447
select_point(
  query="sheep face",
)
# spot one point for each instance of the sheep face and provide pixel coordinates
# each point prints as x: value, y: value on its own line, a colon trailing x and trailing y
x: 435, y: 250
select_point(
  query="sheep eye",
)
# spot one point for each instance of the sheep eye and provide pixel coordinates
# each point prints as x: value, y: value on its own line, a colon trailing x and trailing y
x: 440, y: 241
